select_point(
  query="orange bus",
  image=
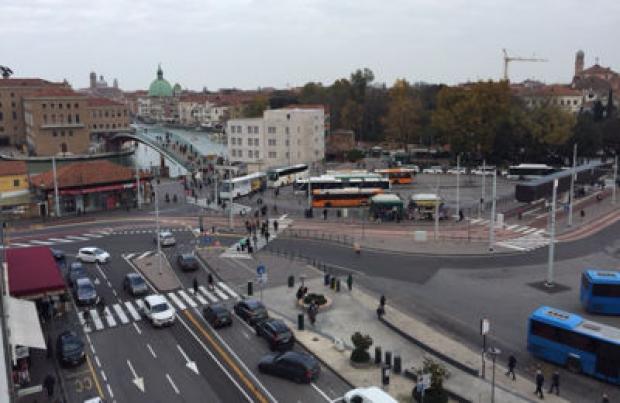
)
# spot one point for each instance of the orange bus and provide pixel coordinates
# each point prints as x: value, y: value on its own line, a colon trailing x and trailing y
x: 347, y: 197
x: 400, y: 176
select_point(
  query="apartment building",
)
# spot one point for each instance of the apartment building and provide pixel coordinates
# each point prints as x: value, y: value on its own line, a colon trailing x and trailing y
x: 106, y: 117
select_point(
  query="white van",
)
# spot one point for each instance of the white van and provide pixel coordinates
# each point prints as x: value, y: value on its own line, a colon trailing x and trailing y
x: 371, y: 394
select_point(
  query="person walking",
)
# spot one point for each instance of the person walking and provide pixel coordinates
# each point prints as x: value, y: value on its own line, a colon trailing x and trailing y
x: 210, y: 281
x: 48, y: 384
x: 605, y: 398
x: 382, y: 302
x: 540, y: 381
x: 512, y: 363
x: 324, y: 214
x: 275, y: 226
x: 195, y: 286
x: 555, y: 383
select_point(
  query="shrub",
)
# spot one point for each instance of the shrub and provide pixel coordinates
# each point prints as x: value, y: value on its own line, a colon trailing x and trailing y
x: 354, y: 155
x: 361, y: 345
x: 318, y: 299
x: 436, y: 393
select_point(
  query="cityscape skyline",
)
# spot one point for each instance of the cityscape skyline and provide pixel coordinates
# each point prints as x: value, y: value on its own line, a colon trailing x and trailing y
x: 218, y: 45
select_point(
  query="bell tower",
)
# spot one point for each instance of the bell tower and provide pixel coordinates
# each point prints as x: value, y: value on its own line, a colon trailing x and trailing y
x: 579, y: 63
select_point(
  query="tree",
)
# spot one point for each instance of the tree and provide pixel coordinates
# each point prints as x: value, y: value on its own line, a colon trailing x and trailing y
x: 256, y: 107
x: 402, y: 119
x: 550, y: 126
x: 313, y: 93
x: 338, y: 94
x: 361, y: 345
x: 351, y: 117
x: 360, y: 79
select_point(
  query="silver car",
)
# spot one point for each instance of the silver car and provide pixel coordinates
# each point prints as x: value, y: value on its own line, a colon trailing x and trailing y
x: 166, y: 239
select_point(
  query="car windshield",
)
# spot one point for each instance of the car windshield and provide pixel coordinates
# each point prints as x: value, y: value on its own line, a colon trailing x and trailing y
x: 188, y: 258
x: 162, y: 307
x: 86, y: 287
x: 78, y: 271
x: 98, y: 251
x: 136, y: 281
x: 71, y: 343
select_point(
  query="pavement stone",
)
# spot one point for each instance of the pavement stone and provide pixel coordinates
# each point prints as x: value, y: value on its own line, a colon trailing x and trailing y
x: 164, y: 280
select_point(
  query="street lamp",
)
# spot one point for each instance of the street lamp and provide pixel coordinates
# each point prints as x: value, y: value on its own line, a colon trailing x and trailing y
x: 493, y: 352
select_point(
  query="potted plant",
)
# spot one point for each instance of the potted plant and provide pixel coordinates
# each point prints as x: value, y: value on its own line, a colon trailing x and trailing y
x: 436, y: 393
x: 361, y: 343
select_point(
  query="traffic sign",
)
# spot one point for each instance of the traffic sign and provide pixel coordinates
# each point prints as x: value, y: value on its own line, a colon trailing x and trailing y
x: 261, y: 269
x: 262, y: 279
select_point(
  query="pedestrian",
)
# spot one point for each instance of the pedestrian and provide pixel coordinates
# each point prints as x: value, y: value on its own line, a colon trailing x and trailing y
x: 255, y: 239
x: 275, y: 226
x: 210, y: 281
x: 300, y: 293
x: 605, y: 399
x: 100, y: 306
x: 555, y: 383
x: 48, y: 384
x: 350, y: 281
x: 305, y: 291
x: 195, y: 285
x: 382, y: 302
x: 324, y: 214
x: 461, y: 216
x: 582, y: 213
x: 512, y: 363
x: 86, y: 316
x: 540, y: 381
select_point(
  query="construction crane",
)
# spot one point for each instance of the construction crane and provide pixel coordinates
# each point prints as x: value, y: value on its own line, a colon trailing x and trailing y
x: 508, y: 59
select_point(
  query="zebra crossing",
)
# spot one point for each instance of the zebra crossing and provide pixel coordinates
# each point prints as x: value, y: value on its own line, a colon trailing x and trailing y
x: 527, y: 242
x: 60, y: 240
x: 521, y: 229
x: 129, y: 311
x: 235, y: 250
x: 151, y: 231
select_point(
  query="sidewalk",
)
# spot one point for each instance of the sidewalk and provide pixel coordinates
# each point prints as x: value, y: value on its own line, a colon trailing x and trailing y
x: 353, y: 311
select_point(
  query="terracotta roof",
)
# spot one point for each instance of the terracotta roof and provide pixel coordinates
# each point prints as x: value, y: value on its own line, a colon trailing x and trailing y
x: 194, y: 98
x: 85, y: 174
x: 100, y: 101
x: 550, y: 91
x: 25, y: 82
x: 13, y: 168
x: 597, y: 69
x: 55, y: 92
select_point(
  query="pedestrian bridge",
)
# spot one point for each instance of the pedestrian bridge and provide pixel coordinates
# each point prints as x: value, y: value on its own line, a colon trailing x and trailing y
x: 155, y: 145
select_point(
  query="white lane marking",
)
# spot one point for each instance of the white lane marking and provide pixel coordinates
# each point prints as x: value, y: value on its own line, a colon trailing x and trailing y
x: 201, y: 299
x: 93, y: 235
x: 132, y: 311
x: 130, y: 255
x: 207, y: 293
x: 529, y: 231
x: 142, y: 256
x: 187, y: 299
x: 77, y: 238
x: 540, y: 231
x: 103, y: 376
x: 110, y: 391
x: 177, y: 301
x: 323, y: 394
x: 228, y: 290
x: 121, y: 314
x: 97, y: 361
x: 96, y: 319
x: 522, y: 228
x: 513, y: 226
x: 61, y: 240
x: 172, y: 384
x: 46, y: 243
x: 151, y: 350
x: 135, y: 326
x: 102, y: 274
x: 476, y: 220
x: 140, y: 304
x: 220, y: 293
x: 22, y: 245
x: 108, y: 317
x: 511, y: 246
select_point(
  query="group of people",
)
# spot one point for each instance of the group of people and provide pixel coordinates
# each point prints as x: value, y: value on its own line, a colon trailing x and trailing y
x: 313, y: 308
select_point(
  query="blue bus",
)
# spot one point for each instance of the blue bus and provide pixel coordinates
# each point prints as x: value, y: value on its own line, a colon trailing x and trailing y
x: 600, y: 291
x: 580, y: 345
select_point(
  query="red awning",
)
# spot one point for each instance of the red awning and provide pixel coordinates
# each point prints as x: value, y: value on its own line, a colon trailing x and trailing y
x: 33, y: 272
x: 97, y: 189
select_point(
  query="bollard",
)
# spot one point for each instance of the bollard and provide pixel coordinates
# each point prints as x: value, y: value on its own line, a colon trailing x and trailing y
x: 300, y: 321
x: 326, y: 279
x: 333, y: 283
x: 377, y: 355
x: 250, y: 289
x: 291, y: 281
x: 350, y: 281
x: 397, y: 364
x: 385, y: 375
x: 388, y: 358
x: 338, y: 285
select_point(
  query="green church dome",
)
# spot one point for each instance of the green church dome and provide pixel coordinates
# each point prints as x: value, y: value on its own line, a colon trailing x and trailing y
x: 160, y: 87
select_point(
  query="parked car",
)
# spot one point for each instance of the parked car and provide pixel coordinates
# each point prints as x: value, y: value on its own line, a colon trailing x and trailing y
x: 158, y: 311
x: 455, y: 170
x: 70, y: 349
x: 187, y: 262
x: 293, y: 365
x: 217, y: 315
x: 251, y: 310
x: 372, y: 394
x: 59, y: 255
x: 135, y: 285
x: 93, y: 255
x: 436, y: 169
x: 277, y: 334
x: 76, y: 270
x: 85, y: 292
x: 165, y: 239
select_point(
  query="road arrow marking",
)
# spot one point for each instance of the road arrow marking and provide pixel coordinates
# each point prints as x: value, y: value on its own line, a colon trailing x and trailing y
x: 190, y: 364
x: 138, y: 381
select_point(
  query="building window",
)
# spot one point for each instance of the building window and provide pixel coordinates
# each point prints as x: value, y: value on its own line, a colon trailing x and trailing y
x: 71, y: 133
x: 54, y: 133
x: 62, y: 133
x: 12, y: 94
x: 271, y: 130
x: 52, y: 106
x: 77, y: 118
x: 240, y: 153
x: 272, y: 154
x: 249, y: 153
x: 53, y: 118
x: 286, y: 130
x: 255, y: 129
x: 94, y: 126
x: 256, y: 142
x: 59, y: 106
x: 1, y: 116
x: 69, y: 120
x: 76, y: 105
x: 271, y: 142
x: 106, y: 114
x: 68, y: 106
x: 15, y: 183
x: 234, y: 153
x: 43, y: 106
x: 287, y: 154
x: 249, y: 141
x: 14, y: 115
x: 287, y: 142
x: 256, y: 153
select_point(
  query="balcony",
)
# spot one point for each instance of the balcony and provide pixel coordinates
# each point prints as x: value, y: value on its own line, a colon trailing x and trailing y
x: 62, y: 126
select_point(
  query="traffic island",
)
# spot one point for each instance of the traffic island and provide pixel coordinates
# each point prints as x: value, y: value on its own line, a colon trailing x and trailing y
x: 157, y: 270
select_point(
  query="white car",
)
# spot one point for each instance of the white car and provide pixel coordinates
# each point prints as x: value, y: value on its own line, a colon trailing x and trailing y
x: 433, y: 170
x: 455, y: 170
x: 371, y: 394
x: 165, y: 238
x: 93, y: 255
x: 158, y: 311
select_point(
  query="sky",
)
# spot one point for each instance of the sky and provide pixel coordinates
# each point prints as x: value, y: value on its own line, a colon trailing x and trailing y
x: 285, y: 43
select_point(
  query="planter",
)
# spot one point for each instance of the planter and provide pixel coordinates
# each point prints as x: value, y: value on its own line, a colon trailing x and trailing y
x: 361, y: 365
x: 322, y: 308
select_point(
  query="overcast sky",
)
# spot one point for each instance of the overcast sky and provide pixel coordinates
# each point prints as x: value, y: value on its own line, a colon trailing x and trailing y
x: 261, y: 43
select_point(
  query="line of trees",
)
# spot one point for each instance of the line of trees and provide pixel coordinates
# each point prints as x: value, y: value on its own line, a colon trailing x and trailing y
x: 475, y: 120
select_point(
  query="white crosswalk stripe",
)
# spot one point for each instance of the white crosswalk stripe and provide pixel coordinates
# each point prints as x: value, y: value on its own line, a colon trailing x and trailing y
x: 61, y: 240
x: 132, y: 311
x: 530, y: 230
x: 77, y: 238
x: 207, y: 294
x: 177, y: 301
x: 121, y: 314
x: 526, y: 243
x: 45, y: 243
x: 93, y: 235
x: 200, y: 299
x: 187, y: 299
x: 511, y: 227
x: 521, y: 228
x: 220, y: 293
x: 96, y: 319
x: 20, y: 245
x: 228, y: 290
x: 109, y: 318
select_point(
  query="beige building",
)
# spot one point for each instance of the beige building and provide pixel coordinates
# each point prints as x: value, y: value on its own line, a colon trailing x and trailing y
x: 56, y: 122
x: 106, y: 116
x: 198, y: 110
x: 536, y: 94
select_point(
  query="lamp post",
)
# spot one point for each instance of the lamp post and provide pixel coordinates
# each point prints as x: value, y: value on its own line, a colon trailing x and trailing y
x: 155, y: 189
x: 56, y: 196
x: 484, y: 179
x: 458, y: 182
x: 571, y: 196
x: 493, y: 352
x: 549, y: 281
x: 492, y: 221
x: 615, y: 185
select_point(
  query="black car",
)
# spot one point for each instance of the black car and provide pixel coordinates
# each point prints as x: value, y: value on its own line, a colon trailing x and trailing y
x: 85, y: 292
x: 187, y: 262
x: 293, y: 365
x: 277, y: 334
x: 76, y: 270
x: 135, y: 285
x: 59, y: 255
x: 217, y: 315
x: 70, y: 349
x: 251, y: 310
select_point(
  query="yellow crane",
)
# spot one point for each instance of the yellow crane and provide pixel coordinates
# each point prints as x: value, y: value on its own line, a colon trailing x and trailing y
x: 508, y: 59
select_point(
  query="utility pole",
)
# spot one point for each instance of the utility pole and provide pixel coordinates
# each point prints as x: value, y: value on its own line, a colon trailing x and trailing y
x: 549, y: 281
x: 217, y: 196
x: 481, y: 205
x: 615, y: 185
x: 492, y: 221
x: 156, y: 189
x: 571, y: 196
x: 56, y: 196
x: 458, y: 182
x: 138, y: 193
x: 310, y: 192
x: 437, y: 209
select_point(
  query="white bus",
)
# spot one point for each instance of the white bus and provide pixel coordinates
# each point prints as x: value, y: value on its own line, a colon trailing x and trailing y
x: 243, y: 185
x: 284, y: 176
x: 529, y: 171
x: 484, y: 170
x: 368, y: 181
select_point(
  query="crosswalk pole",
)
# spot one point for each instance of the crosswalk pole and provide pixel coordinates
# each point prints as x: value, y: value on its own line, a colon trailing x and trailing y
x: 492, y: 223
x: 549, y: 281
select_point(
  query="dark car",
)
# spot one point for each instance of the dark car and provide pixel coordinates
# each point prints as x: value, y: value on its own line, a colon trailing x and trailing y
x: 76, y: 270
x: 293, y: 365
x: 217, y: 315
x: 135, y: 285
x: 59, y: 255
x: 85, y: 292
x: 251, y: 311
x: 277, y: 334
x: 70, y: 349
x: 187, y: 262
